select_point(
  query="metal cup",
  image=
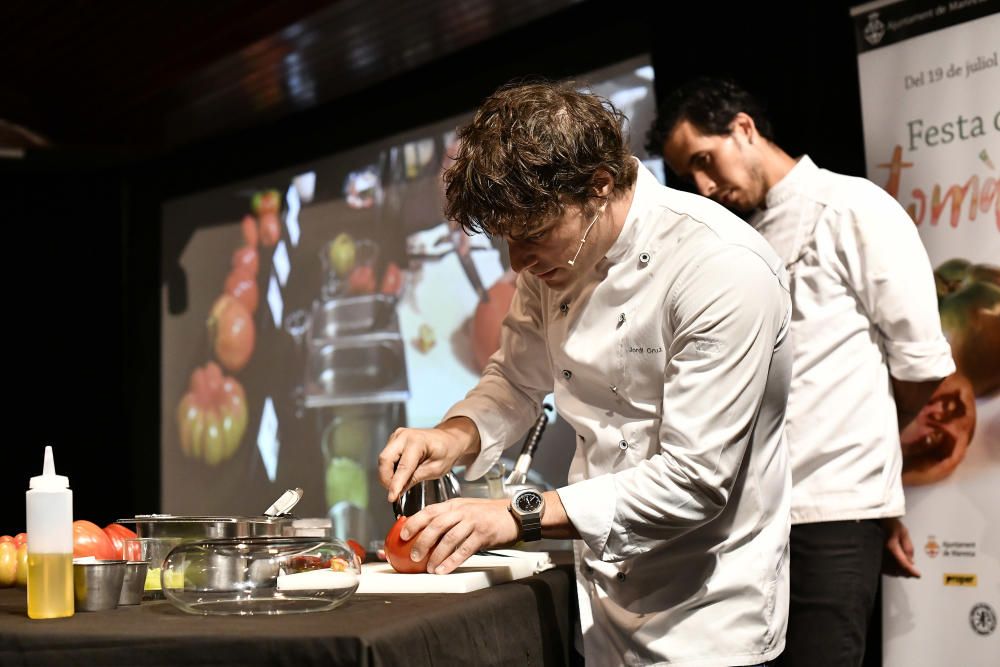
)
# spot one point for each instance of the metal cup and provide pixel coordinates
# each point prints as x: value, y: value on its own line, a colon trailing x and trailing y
x: 97, y: 585
x: 133, y: 582
x: 426, y: 493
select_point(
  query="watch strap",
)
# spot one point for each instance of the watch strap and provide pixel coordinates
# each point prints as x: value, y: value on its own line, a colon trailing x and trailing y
x: 531, y: 528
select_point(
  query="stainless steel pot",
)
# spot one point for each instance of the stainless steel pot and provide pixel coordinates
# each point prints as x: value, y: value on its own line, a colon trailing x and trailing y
x: 426, y: 493
x: 205, y: 527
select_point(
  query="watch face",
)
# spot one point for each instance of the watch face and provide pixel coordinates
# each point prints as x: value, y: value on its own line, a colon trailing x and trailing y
x: 528, y: 502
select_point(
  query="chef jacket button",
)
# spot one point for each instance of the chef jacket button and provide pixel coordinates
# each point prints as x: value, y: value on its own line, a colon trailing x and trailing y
x: 644, y: 258
x: 621, y: 318
x: 563, y: 307
x: 623, y: 445
x: 567, y: 374
x: 620, y: 576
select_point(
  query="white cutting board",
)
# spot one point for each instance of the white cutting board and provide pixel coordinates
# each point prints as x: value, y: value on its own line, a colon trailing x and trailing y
x: 478, y: 572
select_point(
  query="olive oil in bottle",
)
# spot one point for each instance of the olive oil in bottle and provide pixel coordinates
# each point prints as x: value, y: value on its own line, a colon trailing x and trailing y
x: 49, y: 505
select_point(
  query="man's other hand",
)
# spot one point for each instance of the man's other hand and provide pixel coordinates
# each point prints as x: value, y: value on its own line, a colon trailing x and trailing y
x: 413, y: 455
x: 898, y: 559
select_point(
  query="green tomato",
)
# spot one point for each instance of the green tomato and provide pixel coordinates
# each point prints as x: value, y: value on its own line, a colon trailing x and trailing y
x: 231, y: 433
x: 214, y: 445
x: 969, y: 303
x: 350, y: 438
x: 197, y: 434
x: 347, y: 481
x: 342, y: 254
x: 187, y: 414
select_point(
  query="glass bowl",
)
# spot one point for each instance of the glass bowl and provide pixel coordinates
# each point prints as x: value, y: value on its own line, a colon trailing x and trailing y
x: 260, y: 575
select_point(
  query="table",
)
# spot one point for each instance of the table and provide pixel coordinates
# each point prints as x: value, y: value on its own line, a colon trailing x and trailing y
x: 525, y: 622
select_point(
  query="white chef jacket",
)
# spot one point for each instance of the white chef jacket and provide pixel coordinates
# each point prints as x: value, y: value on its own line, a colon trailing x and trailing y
x: 673, y: 369
x: 864, y: 307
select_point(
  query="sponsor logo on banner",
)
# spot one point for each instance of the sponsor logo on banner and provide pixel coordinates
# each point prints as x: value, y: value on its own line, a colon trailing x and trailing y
x: 874, y: 29
x: 932, y: 548
x: 983, y: 619
x: 960, y: 580
x: 948, y: 549
x: 959, y: 549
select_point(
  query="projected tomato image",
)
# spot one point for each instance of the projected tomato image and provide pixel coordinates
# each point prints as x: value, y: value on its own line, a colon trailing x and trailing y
x: 326, y: 305
x: 969, y: 302
x: 936, y: 441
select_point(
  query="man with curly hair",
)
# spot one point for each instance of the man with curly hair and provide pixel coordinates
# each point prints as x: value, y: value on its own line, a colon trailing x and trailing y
x: 868, y: 345
x: 659, y: 320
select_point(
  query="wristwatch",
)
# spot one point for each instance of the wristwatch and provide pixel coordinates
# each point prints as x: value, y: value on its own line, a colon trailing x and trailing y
x: 527, y: 506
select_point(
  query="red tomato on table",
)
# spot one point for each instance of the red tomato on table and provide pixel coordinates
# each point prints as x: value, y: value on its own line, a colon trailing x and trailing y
x: 118, y: 533
x: 8, y: 563
x: 358, y: 550
x: 90, y: 540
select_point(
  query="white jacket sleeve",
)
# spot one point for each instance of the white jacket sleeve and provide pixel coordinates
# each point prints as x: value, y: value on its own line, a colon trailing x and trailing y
x: 505, y: 402
x: 879, y: 254
x: 727, y: 316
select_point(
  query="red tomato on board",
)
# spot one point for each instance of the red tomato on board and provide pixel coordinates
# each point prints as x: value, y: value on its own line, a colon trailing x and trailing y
x: 397, y: 551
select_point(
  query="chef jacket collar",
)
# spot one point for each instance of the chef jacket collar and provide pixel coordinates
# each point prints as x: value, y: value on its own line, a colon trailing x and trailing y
x: 803, y: 171
x: 628, y: 238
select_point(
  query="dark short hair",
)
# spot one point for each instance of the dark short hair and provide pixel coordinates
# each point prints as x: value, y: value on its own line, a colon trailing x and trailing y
x: 530, y: 150
x: 710, y: 105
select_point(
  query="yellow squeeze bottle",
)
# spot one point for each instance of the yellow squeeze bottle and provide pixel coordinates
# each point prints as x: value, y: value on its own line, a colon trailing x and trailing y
x: 49, y: 505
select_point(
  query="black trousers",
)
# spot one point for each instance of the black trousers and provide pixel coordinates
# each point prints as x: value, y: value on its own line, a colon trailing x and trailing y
x: 835, y: 568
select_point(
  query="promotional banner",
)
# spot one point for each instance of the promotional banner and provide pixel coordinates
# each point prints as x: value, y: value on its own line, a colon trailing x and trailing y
x: 930, y: 95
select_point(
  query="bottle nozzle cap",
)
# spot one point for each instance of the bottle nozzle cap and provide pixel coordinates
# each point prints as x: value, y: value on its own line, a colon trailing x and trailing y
x: 49, y: 463
x: 49, y: 479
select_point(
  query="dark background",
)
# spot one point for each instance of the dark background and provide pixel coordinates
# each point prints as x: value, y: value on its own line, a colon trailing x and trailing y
x: 83, y: 261
x: 138, y: 106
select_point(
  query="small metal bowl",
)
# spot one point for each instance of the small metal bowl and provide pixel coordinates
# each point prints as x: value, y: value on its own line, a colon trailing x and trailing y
x: 97, y: 585
x: 134, y: 582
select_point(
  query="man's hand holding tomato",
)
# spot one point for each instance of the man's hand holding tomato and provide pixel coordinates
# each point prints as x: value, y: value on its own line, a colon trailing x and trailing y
x: 452, y: 531
x: 456, y: 529
x: 448, y: 533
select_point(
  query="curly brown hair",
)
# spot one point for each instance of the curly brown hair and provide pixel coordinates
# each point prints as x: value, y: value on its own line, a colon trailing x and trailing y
x: 530, y: 150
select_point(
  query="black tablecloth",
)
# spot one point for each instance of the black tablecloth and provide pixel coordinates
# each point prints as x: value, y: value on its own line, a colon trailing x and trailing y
x: 526, y: 622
